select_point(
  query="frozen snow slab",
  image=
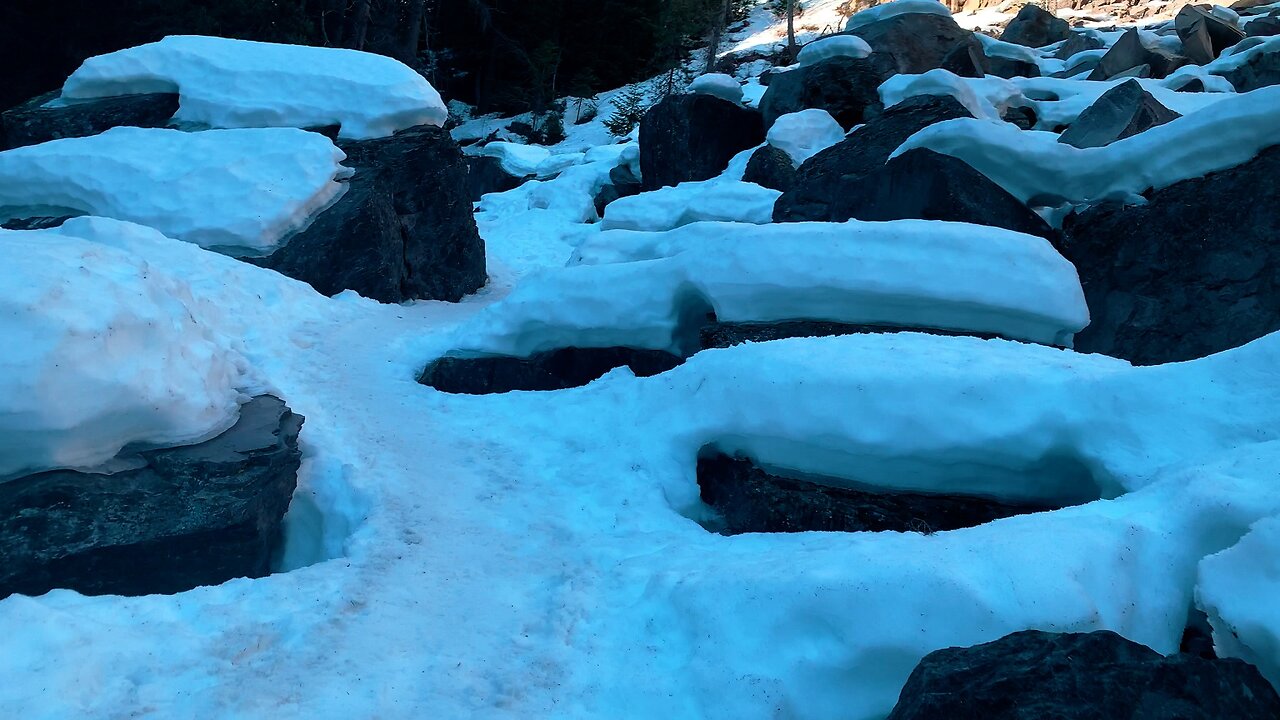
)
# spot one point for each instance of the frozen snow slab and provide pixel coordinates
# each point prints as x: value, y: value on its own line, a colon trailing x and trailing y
x: 1037, y: 169
x: 1239, y: 589
x: 887, y: 10
x: 718, y: 85
x: 803, y: 134
x: 241, y: 191
x: 641, y: 290
x: 225, y: 83
x: 832, y: 47
x: 102, y: 351
x: 718, y: 199
x: 519, y: 160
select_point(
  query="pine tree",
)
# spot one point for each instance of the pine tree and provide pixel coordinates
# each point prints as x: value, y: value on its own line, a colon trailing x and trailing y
x: 628, y: 107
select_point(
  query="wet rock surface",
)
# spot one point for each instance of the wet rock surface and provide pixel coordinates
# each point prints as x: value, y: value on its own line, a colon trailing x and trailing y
x: 750, y: 499
x: 188, y: 516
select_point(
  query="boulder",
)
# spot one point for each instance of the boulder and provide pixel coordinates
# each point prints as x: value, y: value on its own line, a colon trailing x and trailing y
x: 175, y: 519
x: 1263, y: 27
x: 772, y: 168
x: 843, y: 86
x: 32, y: 122
x: 1011, y: 67
x: 1123, y: 111
x: 750, y: 499
x: 966, y: 59
x: 918, y: 42
x: 1079, y: 42
x: 921, y: 184
x: 622, y: 183
x: 692, y: 137
x: 826, y: 178
x: 403, y: 230
x: 1192, y: 272
x: 1032, y: 675
x: 1035, y: 27
x: 1204, y: 35
x: 1129, y: 52
x: 1262, y: 69
x: 486, y: 175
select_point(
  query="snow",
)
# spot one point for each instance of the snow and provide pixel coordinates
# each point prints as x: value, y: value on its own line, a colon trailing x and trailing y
x: 1237, y: 588
x: 805, y: 133
x: 1056, y: 102
x: 239, y: 190
x: 1010, y: 51
x: 547, y: 547
x: 101, y: 352
x: 635, y: 288
x: 690, y: 202
x: 894, y: 8
x: 717, y: 85
x: 831, y: 47
x: 516, y: 159
x: 225, y: 83
x: 1034, y: 167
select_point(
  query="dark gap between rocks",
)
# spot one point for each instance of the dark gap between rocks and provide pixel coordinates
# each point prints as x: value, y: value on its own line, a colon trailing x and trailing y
x: 552, y: 370
x: 750, y: 499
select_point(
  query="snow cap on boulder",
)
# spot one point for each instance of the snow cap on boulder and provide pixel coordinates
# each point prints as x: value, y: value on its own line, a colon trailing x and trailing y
x: 834, y: 46
x: 805, y: 133
x: 717, y: 85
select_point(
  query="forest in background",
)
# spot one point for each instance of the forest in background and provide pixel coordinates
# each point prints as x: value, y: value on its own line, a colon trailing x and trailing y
x: 507, y: 55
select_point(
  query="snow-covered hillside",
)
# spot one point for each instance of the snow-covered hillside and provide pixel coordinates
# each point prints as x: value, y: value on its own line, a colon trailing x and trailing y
x: 862, y: 283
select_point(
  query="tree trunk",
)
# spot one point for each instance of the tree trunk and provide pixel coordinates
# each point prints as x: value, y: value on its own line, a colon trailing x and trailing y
x: 791, y: 29
x: 718, y: 22
x: 359, y: 25
x: 413, y: 34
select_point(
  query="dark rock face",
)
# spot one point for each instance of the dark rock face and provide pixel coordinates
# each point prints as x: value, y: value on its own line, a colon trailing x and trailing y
x: 35, y: 223
x: 825, y: 179
x: 966, y: 59
x: 1129, y: 53
x: 921, y: 184
x: 1023, y: 117
x: 1079, y: 42
x: 486, y: 175
x: 1259, y: 71
x: 750, y: 499
x: 31, y: 123
x: 1263, y: 27
x: 402, y: 231
x: 1123, y: 111
x: 1035, y: 27
x: 1033, y: 675
x: 622, y: 183
x: 196, y: 515
x: 723, y: 334
x: 843, y: 86
x: 770, y: 167
x: 918, y: 42
x: 693, y: 137
x: 553, y: 370
x: 1010, y: 68
x: 1193, y: 272
x: 1204, y: 36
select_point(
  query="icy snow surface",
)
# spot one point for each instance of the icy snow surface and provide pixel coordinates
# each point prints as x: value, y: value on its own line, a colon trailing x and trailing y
x: 101, y: 351
x: 636, y: 288
x: 805, y: 133
x: 834, y: 46
x: 225, y: 83
x: 690, y: 202
x: 894, y: 8
x: 539, y: 555
x: 240, y: 190
x: 1034, y: 167
x: 717, y: 85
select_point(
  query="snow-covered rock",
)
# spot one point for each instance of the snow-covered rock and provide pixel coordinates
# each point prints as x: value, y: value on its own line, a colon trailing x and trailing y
x: 804, y: 134
x: 690, y: 202
x: 519, y: 160
x: 227, y: 83
x: 834, y: 46
x: 633, y: 289
x: 1034, y: 166
x: 894, y: 8
x: 102, y: 352
x: 241, y: 190
x: 717, y: 85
